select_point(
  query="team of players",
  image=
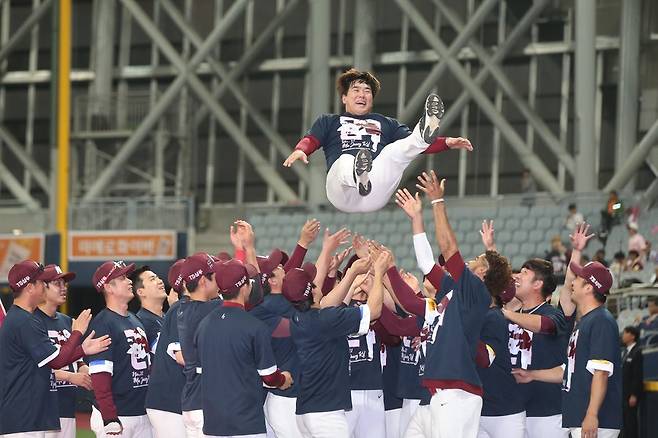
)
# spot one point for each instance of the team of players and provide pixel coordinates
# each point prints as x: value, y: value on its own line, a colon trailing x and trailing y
x: 273, y: 345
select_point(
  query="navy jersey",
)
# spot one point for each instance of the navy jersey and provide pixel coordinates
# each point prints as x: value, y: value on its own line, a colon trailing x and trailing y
x: 390, y: 374
x: 501, y: 392
x: 128, y: 360
x: 167, y: 378
x: 152, y: 326
x: 455, y: 317
x: 271, y: 311
x: 412, y: 366
x: 28, y: 402
x: 190, y: 315
x: 320, y: 336
x: 537, y: 351
x: 594, y: 345
x: 365, y: 361
x: 59, y: 330
x: 234, y: 352
x: 347, y: 133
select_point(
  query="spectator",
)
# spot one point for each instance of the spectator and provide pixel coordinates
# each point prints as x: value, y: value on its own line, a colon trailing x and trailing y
x: 632, y: 382
x: 634, y: 262
x: 528, y: 188
x: 650, y: 322
x: 599, y: 256
x: 573, y: 218
x: 618, y: 263
x: 636, y: 241
x: 611, y: 216
x: 558, y: 256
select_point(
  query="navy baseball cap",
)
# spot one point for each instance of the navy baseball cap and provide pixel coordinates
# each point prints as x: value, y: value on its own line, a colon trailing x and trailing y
x: 23, y: 273
x: 298, y: 283
x: 174, y: 276
x: 110, y: 270
x: 196, y: 265
x: 233, y: 274
x: 268, y: 264
x: 54, y: 272
x: 595, y: 274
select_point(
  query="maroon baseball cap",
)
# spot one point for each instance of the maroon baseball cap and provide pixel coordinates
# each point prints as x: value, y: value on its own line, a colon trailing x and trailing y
x: 54, y: 272
x: 196, y: 265
x: 233, y: 274
x: 224, y: 256
x: 268, y: 264
x: 508, y: 293
x: 110, y: 270
x: 23, y: 273
x: 174, y: 278
x: 595, y: 274
x: 298, y: 283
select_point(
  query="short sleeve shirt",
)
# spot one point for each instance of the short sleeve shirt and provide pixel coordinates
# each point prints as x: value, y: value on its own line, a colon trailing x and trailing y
x: 152, y: 326
x: 365, y: 361
x: 347, y: 133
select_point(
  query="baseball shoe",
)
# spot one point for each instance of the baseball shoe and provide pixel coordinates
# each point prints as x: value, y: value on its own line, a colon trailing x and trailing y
x: 431, y: 118
x: 363, y: 165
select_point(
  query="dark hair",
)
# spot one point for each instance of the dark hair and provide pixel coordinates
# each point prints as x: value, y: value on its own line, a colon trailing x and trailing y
x: 499, y: 274
x: 194, y: 284
x: 136, y: 277
x: 543, y: 270
x: 353, y: 75
x: 233, y: 294
x: 619, y: 255
x: 635, y: 252
x: 633, y: 331
x: 304, y: 305
x: 653, y: 300
x: 601, y: 298
x: 572, y: 206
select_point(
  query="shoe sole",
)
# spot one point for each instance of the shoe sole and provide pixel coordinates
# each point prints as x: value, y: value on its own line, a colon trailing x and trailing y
x: 431, y: 119
x: 363, y: 165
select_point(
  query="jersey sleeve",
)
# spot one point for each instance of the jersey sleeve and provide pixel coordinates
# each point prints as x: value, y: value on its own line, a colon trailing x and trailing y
x: 345, y: 321
x: 41, y: 348
x: 101, y: 362
x: 319, y: 129
x: 556, y: 315
x: 263, y: 354
x: 604, y: 347
x: 398, y: 130
x: 472, y: 291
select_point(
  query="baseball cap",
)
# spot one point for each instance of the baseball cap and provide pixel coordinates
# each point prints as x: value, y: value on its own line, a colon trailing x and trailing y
x: 23, y: 273
x: 268, y: 264
x: 174, y: 278
x: 54, y: 272
x: 233, y: 274
x: 224, y: 256
x: 196, y: 265
x: 633, y: 226
x: 298, y: 283
x: 595, y: 274
x: 508, y: 293
x: 110, y: 270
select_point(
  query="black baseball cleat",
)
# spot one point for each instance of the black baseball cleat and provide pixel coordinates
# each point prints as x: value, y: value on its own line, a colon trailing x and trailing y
x: 431, y: 118
x: 363, y: 165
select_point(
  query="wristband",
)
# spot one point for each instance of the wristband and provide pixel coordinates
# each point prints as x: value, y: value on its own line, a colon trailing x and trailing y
x: 436, y: 201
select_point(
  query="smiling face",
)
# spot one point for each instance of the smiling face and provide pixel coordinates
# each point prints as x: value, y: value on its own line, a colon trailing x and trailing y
x: 580, y: 289
x: 56, y: 291
x: 358, y: 99
x: 527, y: 284
x: 152, y: 287
x: 121, y: 288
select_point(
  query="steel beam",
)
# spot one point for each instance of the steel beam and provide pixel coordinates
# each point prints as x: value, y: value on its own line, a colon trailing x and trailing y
x: 16, y: 189
x: 261, y: 165
x: 25, y: 28
x: 364, y: 34
x: 152, y: 118
x: 515, y: 97
x: 277, y: 140
x: 103, y: 42
x: 527, y: 157
x: 26, y: 160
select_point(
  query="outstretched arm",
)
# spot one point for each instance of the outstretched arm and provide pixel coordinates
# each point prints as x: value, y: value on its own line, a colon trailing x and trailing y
x: 303, y: 149
x: 579, y: 240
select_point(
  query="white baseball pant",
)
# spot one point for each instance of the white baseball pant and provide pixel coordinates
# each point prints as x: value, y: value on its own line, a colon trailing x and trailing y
x: 25, y: 435
x: 137, y: 426
x: 67, y: 429
x: 455, y: 413
x: 503, y: 426
x: 280, y: 415
x: 193, y: 421
x: 420, y: 425
x: 600, y: 433
x: 331, y: 424
x: 166, y: 424
x: 409, y: 407
x: 393, y: 423
x: 385, y: 176
x: 367, y: 419
x: 545, y: 427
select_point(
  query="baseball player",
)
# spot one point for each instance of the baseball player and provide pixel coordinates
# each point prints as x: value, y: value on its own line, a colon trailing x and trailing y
x: 237, y: 359
x: 120, y: 375
x: 320, y: 335
x: 163, y: 397
x: 28, y: 398
x: 59, y: 327
x: 367, y: 152
x: 591, y: 377
x: 151, y: 292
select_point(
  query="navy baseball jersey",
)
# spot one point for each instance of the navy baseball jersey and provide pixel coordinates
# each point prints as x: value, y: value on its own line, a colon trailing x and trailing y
x: 128, y: 360
x: 28, y: 401
x: 455, y: 319
x: 365, y: 360
x: 234, y: 351
x: 537, y: 351
x: 412, y: 366
x: 390, y: 375
x: 271, y: 311
x: 594, y: 345
x: 501, y: 392
x: 347, y: 133
x: 167, y: 378
x: 59, y: 330
x: 320, y: 336
x: 190, y: 315
x: 152, y: 326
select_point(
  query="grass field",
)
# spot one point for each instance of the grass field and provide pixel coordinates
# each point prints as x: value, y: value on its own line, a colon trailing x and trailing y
x: 84, y: 434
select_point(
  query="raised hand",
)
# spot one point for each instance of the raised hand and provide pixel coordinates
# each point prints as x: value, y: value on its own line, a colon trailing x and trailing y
x: 579, y: 238
x: 410, y: 279
x: 459, y: 143
x: 411, y: 205
x: 93, y: 345
x: 331, y: 242
x: 383, y: 262
x: 487, y: 234
x: 431, y: 186
x: 338, y: 259
x: 81, y: 323
x: 360, y: 246
x: 235, y: 238
x: 361, y: 266
x: 294, y: 156
x: 245, y: 233
x: 309, y: 232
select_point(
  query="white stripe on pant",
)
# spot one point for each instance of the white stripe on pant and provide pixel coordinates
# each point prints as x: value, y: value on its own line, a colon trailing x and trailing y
x: 137, y: 426
x: 323, y: 425
x: 503, y: 426
x: 166, y: 424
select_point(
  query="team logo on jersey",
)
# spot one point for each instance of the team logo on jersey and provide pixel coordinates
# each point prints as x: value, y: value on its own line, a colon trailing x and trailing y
x: 520, y: 346
x: 359, y: 133
x: 59, y: 337
x: 362, y: 347
x: 434, y: 315
x: 571, y: 360
x: 140, y: 359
